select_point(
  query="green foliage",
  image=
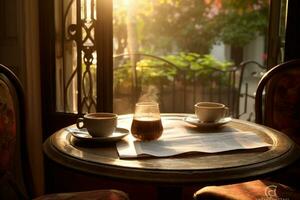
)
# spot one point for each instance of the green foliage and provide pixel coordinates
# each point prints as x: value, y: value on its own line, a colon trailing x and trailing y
x: 242, y: 21
x: 198, y: 66
x: 147, y: 70
x: 193, y: 65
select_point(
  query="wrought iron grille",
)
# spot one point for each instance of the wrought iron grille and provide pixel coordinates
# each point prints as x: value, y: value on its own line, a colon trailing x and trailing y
x: 76, y: 56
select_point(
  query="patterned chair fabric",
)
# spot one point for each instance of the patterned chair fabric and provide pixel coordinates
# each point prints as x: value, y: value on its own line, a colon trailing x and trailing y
x: 278, y: 107
x: 12, y: 183
x: 7, y: 127
x: 15, y: 174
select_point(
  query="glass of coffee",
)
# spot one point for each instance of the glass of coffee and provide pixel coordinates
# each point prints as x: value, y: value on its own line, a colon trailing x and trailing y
x: 146, y: 123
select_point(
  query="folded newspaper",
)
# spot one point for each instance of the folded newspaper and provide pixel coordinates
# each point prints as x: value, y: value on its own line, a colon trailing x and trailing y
x: 175, y: 141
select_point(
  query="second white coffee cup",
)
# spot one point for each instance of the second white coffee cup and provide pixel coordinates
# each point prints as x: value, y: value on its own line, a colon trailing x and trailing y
x: 210, y: 111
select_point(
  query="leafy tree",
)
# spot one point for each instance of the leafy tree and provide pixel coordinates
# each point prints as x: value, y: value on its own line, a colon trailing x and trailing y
x: 180, y: 25
x: 166, y: 26
x: 242, y: 21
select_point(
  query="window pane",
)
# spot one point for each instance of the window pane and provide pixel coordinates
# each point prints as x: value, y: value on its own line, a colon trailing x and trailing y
x: 178, y: 52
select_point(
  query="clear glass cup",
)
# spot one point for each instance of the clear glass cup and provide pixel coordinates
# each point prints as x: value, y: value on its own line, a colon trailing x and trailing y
x: 146, y: 123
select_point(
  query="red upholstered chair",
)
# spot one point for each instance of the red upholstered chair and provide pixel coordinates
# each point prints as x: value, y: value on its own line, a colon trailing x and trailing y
x: 278, y: 107
x: 15, y: 174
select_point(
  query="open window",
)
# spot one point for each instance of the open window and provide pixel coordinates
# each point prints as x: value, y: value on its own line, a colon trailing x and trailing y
x: 91, y: 48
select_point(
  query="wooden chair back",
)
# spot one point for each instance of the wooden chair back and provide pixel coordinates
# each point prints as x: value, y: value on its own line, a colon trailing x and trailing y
x: 15, y: 173
x: 277, y: 100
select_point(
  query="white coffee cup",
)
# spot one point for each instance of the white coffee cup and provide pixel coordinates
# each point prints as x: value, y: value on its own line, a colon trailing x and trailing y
x: 98, y: 124
x: 210, y: 111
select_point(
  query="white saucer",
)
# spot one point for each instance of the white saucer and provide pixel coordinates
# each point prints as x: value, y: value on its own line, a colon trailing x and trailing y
x: 194, y: 121
x: 83, y: 134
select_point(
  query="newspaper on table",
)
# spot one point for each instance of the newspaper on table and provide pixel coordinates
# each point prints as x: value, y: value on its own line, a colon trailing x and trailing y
x: 179, y: 140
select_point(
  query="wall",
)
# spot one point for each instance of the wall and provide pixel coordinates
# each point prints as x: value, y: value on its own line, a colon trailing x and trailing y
x: 11, y: 35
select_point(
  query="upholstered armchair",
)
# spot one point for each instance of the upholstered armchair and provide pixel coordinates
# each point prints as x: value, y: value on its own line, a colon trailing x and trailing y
x: 15, y: 174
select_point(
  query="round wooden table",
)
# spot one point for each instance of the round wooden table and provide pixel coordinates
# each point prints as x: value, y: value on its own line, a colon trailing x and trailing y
x: 217, y: 168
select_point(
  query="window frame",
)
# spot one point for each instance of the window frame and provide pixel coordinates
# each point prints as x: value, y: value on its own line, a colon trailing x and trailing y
x: 52, y: 120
